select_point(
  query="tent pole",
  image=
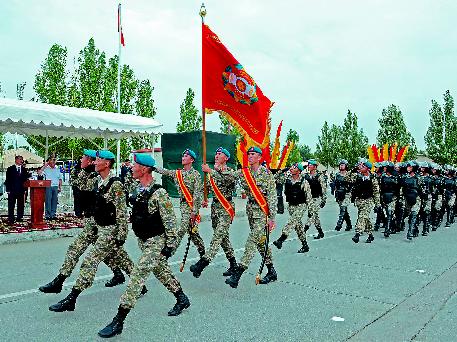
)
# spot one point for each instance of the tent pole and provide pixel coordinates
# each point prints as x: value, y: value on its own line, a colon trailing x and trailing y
x: 46, y: 148
x: 153, y: 145
x: 118, y: 156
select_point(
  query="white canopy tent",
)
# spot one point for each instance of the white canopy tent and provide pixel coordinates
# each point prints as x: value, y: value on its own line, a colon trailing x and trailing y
x: 34, y: 118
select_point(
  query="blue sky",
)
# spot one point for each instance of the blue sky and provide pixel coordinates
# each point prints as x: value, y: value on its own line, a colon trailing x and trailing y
x: 315, y: 60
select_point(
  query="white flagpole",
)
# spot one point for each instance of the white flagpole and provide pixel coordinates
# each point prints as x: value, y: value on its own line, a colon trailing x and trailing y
x: 118, y: 149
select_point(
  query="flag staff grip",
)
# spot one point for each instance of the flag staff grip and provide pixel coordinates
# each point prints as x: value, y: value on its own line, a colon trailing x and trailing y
x: 202, y: 14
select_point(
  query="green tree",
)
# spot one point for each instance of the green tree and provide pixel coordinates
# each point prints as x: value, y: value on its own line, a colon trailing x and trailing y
x: 352, y: 143
x: 188, y: 113
x: 393, y: 130
x: 325, y: 146
x: 20, y: 87
x: 442, y: 133
x: 144, y: 106
x: 294, y: 155
x: 305, y: 152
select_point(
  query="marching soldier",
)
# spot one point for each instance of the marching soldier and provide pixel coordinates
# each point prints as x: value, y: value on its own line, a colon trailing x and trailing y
x: 85, y: 180
x: 110, y: 216
x: 154, y: 224
x: 389, y: 191
x: 343, y: 195
x: 222, y: 180
x: 380, y: 217
x: 410, y: 188
x: 319, y: 197
x: 298, y: 195
x: 190, y: 189
x: 450, y: 186
x: 365, y: 193
x: 260, y: 187
x: 426, y: 197
x: 437, y: 196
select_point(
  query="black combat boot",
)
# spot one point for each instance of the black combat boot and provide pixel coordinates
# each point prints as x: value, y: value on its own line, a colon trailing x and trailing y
x: 320, y: 234
x: 182, y: 302
x: 370, y: 238
x: 412, y: 224
x: 116, y: 326
x: 144, y: 290
x: 117, y: 279
x: 278, y: 243
x: 356, y: 237
x: 425, y: 229
x: 232, y: 267
x: 304, y: 248
x: 305, y: 228
x: 270, y: 276
x: 55, y: 286
x: 347, y: 218
x: 235, y: 277
x: 198, y: 267
x: 68, y: 303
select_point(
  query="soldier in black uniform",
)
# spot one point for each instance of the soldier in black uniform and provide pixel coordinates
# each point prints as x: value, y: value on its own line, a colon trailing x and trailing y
x: 380, y: 217
x: 437, y: 196
x: 450, y: 191
x: 343, y: 195
x: 410, y: 188
x: 426, y: 197
x: 389, y: 190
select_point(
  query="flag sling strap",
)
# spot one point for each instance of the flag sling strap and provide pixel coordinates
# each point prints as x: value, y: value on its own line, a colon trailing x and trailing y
x: 185, y: 191
x: 258, y: 196
x: 222, y: 200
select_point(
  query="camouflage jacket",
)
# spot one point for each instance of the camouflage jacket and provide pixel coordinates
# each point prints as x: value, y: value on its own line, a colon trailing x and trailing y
x: 86, y: 181
x: 193, y: 182
x: 266, y: 183
x: 116, y: 195
x: 225, y: 181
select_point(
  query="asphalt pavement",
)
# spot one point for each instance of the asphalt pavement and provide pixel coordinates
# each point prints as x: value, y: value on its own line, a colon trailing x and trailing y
x: 389, y: 290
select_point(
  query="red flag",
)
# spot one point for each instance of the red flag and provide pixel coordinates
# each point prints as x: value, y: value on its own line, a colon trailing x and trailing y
x: 119, y: 26
x: 230, y: 90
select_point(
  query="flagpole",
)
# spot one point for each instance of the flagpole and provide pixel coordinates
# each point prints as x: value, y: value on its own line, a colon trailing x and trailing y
x: 205, y: 189
x: 118, y: 147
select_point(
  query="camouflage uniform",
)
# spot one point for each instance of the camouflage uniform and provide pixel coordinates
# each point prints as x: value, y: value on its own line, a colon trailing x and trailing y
x: 365, y: 202
x: 256, y: 217
x: 412, y: 202
x: 193, y: 182
x: 318, y: 199
x: 389, y: 191
x: 342, y: 190
x: 296, y: 211
x: 220, y: 219
x: 151, y: 259
x: 85, y: 181
x: 110, y: 239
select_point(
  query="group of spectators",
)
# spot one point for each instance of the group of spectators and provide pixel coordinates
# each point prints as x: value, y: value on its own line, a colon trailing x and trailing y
x: 15, y: 186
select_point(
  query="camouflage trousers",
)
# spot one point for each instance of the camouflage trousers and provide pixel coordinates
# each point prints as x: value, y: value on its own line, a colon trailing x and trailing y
x: 256, y: 238
x: 105, y: 248
x: 313, y: 213
x: 150, y: 261
x: 389, y: 208
x: 185, y: 227
x: 426, y: 204
x: 220, y: 221
x: 296, y: 213
x: 450, y: 201
x: 437, y: 203
x: 364, y: 208
x: 85, y: 238
x: 412, y: 209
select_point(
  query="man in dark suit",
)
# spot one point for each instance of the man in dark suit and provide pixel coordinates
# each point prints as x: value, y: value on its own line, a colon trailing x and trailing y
x: 16, y: 175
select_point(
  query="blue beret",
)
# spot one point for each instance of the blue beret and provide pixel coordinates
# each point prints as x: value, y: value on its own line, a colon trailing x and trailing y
x: 105, y: 154
x: 312, y: 162
x: 144, y: 159
x: 190, y: 153
x: 299, y: 166
x: 90, y: 153
x: 343, y: 161
x: 254, y: 149
x: 224, y: 151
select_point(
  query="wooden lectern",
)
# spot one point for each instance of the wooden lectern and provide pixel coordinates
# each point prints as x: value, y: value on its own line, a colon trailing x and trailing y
x: 37, y: 195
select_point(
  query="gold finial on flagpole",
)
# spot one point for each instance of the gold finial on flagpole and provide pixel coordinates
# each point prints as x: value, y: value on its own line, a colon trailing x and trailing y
x: 203, y: 12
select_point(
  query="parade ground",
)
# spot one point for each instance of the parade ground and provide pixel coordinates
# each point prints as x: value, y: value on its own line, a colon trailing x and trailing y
x: 389, y: 290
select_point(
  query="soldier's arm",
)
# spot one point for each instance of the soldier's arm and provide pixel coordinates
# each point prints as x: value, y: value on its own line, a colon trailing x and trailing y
x: 376, y: 196
x: 198, y: 193
x: 324, y: 187
x: 272, y: 197
x: 307, y: 189
x: 166, y: 172
x: 280, y: 177
x: 117, y: 196
x: 161, y: 201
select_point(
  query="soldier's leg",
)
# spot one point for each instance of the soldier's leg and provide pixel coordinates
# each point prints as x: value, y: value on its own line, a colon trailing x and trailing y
x: 300, y: 231
x: 360, y: 224
x: 294, y: 219
x: 341, y: 216
x: 365, y: 209
x: 261, y: 240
